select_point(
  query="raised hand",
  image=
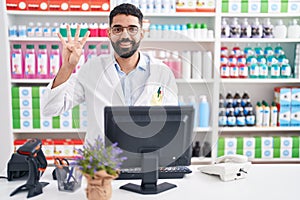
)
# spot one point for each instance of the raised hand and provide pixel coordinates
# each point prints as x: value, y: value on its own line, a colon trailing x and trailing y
x: 72, y: 48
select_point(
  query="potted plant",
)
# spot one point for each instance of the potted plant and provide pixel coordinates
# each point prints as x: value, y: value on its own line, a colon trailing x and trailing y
x: 100, y: 165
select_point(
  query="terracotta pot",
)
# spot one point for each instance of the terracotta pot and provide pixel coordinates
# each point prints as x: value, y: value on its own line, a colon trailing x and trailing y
x: 99, y: 187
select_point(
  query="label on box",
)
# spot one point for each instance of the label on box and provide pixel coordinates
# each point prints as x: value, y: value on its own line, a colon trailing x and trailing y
x: 295, y: 116
x: 254, y: 6
x: 249, y: 143
x: 250, y: 153
x: 230, y: 143
x: 234, y: 6
x: 293, y: 7
x: 284, y: 116
x: 274, y: 6
x: 266, y: 142
x: 286, y: 142
x: 267, y: 153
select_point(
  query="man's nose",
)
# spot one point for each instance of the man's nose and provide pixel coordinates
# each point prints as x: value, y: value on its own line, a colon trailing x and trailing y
x: 124, y: 33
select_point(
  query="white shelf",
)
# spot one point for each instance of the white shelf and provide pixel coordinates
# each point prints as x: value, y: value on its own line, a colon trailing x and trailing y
x: 106, y: 14
x: 177, y: 40
x: 258, y: 129
x: 275, y: 160
x: 202, y: 130
x: 279, y: 15
x: 188, y: 81
x: 31, y: 81
x: 201, y: 160
x: 49, y: 131
x: 258, y: 80
x: 57, y: 13
x: 53, y: 39
x: 260, y: 40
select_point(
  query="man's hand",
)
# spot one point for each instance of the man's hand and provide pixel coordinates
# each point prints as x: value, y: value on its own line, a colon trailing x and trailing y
x: 72, y: 49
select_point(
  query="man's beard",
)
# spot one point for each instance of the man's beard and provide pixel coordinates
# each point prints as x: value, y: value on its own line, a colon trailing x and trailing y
x: 125, y: 52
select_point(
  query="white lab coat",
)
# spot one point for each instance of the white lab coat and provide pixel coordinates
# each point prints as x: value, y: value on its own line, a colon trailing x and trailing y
x: 98, y: 84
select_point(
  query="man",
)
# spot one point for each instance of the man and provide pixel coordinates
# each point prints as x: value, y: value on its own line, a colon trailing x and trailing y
x: 126, y: 77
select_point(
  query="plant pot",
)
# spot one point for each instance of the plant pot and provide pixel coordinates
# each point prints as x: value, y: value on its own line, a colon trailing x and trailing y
x: 99, y: 187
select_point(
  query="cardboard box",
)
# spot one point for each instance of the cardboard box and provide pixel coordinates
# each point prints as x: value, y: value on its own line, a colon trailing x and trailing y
x: 295, y: 116
x: 295, y: 101
x: 283, y: 96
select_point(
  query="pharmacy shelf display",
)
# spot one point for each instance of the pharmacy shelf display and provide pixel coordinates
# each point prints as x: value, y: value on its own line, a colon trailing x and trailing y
x: 191, y: 84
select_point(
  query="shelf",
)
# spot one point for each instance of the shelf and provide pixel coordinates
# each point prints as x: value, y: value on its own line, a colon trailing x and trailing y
x: 177, y: 40
x: 41, y: 131
x: 188, y: 81
x: 279, y: 15
x: 274, y: 160
x: 202, y: 130
x: 31, y: 81
x: 181, y: 14
x: 257, y: 80
x: 57, y: 13
x: 258, y: 129
x: 106, y: 14
x: 53, y: 39
x: 260, y: 40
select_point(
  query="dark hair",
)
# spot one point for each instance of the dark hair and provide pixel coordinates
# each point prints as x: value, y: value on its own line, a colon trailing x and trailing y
x: 126, y: 9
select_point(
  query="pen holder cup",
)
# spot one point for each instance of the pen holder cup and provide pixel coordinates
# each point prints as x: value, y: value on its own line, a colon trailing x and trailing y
x: 68, y: 178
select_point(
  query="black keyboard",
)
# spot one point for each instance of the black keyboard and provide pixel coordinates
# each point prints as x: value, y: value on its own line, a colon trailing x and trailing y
x: 163, y: 173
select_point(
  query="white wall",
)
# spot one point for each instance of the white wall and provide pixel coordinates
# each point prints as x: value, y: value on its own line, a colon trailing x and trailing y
x: 6, y: 136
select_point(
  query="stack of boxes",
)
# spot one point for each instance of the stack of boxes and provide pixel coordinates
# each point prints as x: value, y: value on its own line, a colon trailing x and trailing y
x: 27, y: 114
x: 260, y: 6
x: 56, y: 148
x: 287, y: 100
x: 259, y: 147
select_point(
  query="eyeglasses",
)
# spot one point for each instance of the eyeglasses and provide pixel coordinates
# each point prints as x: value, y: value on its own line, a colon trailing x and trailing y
x: 131, y: 30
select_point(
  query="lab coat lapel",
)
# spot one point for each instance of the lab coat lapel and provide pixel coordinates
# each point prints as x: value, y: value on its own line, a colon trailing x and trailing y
x: 112, y: 75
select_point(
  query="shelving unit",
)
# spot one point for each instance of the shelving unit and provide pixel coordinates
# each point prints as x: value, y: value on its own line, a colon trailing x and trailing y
x: 209, y: 87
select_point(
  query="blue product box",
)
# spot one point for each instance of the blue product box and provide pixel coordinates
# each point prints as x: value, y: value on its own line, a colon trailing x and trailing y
x: 295, y: 97
x: 284, y: 115
x: 283, y: 96
x: 295, y: 116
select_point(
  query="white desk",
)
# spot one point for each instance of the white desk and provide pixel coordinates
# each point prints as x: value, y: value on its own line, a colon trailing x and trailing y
x: 264, y: 181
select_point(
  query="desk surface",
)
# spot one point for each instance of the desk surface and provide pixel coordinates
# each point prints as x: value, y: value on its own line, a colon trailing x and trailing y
x: 264, y: 181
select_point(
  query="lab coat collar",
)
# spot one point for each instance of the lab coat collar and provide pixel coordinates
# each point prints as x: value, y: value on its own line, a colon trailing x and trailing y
x: 143, y: 64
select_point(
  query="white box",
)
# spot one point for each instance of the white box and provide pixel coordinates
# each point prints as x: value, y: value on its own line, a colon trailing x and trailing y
x: 234, y: 6
x: 229, y: 151
x: 266, y: 153
x: 250, y: 153
x: 285, y: 153
x: 26, y: 113
x: 25, y: 103
x: 25, y: 92
x: 295, y: 116
x: 249, y: 143
x: 46, y: 123
x: 26, y: 124
x: 254, y: 6
x: 286, y: 142
x: 267, y: 142
x: 230, y: 143
x: 274, y: 6
x: 293, y: 6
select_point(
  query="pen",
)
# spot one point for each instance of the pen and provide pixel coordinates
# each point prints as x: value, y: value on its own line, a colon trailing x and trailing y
x: 158, y: 92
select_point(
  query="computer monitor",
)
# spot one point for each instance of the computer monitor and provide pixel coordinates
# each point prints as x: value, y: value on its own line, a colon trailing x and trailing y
x: 151, y: 137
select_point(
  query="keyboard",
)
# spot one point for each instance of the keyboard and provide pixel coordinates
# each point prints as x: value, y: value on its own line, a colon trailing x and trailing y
x: 163, y: 173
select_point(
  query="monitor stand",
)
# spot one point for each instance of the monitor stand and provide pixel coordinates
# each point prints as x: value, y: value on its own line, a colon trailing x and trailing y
x: 149, y: 177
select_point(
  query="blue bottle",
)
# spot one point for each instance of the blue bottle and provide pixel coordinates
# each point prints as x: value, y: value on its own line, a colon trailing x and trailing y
x: 203, y: 112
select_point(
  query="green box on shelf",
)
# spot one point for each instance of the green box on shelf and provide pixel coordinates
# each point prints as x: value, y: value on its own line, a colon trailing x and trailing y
x: 244, y: 6
x: 36, y: 118
x: 276, y: 152
x: 35, y: 103
x: 15, y: 103
x: 56, y: 122
x: 276, y: 142
x: 264, y: 6
x: 221, y: 143
x: 257, y: 153
x: 295, y: 142
x: 16, y: 114
x: 239, y: 143
x: 35, y: 92
x: 15, y: 92
x: 284, y: 6
x: 225, y: 6
x: 257, y: 142
x: 295, y: 153
x: 75, y: 117
x: 16, y: 124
